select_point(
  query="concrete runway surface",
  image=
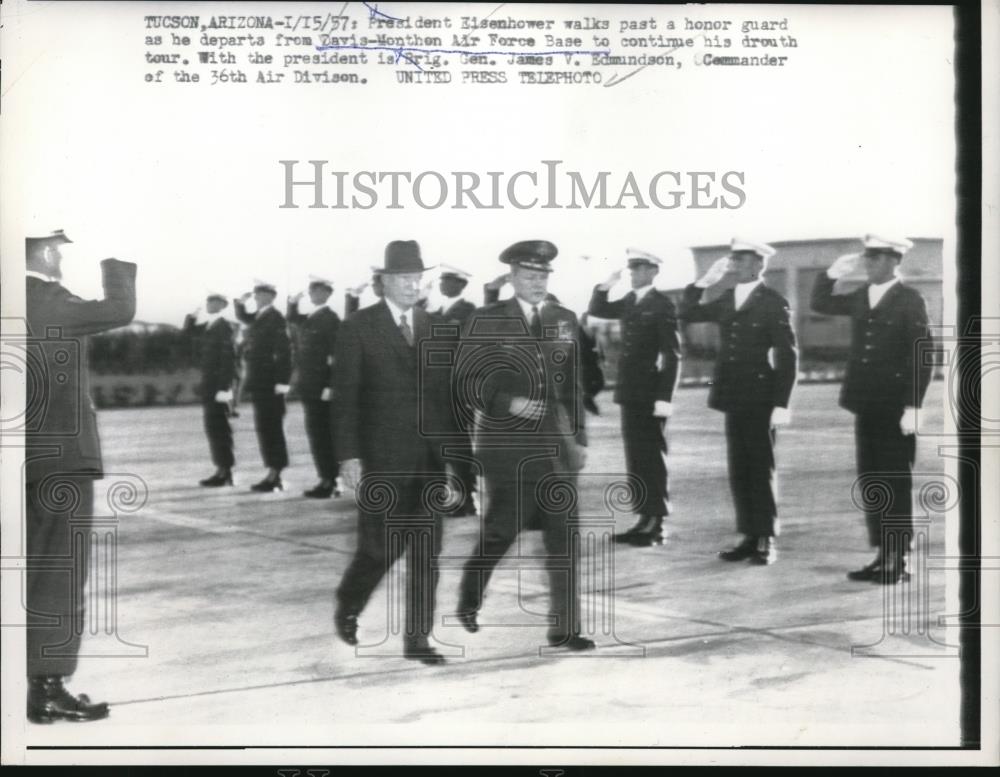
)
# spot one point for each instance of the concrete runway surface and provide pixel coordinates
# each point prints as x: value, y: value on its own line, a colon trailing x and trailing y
x: 221, y: 632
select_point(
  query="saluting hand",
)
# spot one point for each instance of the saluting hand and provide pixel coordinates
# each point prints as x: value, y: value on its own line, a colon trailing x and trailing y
x: 498, y: 282
x: 355, y: 291
x: 844, y: 265
x: 611, y: 281
x: 246, y: 296
x: 350, y: 473
x: 715, y: 273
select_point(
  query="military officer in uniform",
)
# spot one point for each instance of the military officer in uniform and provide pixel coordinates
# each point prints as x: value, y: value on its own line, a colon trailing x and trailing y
x: 62, y: 454
x: 754, y: 322
x: 384, y: 406
x: 885, y: 383
x: 648, y: 372
x: 530, y: 434
x: 268, y: 359
x: 314, y: 368
x: 216, y: 346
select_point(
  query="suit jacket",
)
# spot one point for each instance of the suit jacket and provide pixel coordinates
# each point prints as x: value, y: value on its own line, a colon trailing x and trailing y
x: 649, y: 367
x: 514, y: 364
x: 885, y: 369
x: 267, y: 351
x: 743, y: 377
x: 316, y: 345
x: 387, y: 411
x: 458, y: 312
x: 216, y: 344
x: 61, y: 422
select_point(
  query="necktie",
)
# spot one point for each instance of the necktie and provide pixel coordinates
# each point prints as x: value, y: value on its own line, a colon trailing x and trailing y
x: 404, y: 327
x: 535, y: 325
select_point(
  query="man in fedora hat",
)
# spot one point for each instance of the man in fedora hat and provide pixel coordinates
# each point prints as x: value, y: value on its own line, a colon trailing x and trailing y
x: 530, y: 400
x: 754, y: 327
x: 216, y: 347
x: 268, y: 359
x: 885, y: 383
x: 62, y: 455
x: 314, y: 365
x: 380, y: 439
x: 648, y: 371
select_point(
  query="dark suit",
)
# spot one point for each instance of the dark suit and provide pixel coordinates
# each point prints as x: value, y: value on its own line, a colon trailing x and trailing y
x: 747, y: 388
x: 648, y: 371
x: 527, y: 465
x: 267, y: 355
x: 384, y: 416
x: 314, y: 368
x: 216, y: 347
x: 885, y: 374
x: 62, y: 458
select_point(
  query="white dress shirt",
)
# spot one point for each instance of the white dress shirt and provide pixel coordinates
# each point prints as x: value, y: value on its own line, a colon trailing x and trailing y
x: 398, y: 313
x: 742, y: 291
x: 526, y: 308
x: 40, y: 276
x: 877, y: 291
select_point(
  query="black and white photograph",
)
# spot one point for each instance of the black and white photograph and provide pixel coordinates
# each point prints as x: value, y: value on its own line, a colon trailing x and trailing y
x: 541, y: 385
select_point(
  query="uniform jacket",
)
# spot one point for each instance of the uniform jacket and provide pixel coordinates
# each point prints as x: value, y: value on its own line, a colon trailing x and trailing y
x: 267, y: 351
x: 388, y: 412
x: 216, y: 343
x: 516, y: 365
x: 649, y: 367
x: 743, y: 377
x: 458, y: 312
x: 315, y: 352
x: 61, y: 422
x: 885, y: 368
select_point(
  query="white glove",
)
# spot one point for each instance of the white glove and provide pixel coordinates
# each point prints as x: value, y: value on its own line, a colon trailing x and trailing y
x: 844, y: 265
x: 908, y: 423
x: 662, y: 409
x: 780, y: 416
x: 326, y: 395
x: 224, y: 396
x: 281, y: 388
x: 329, y: 361
x: 355, y: 291
x: 611, y: 281
x: 350, y: 473
x: 715, y: 272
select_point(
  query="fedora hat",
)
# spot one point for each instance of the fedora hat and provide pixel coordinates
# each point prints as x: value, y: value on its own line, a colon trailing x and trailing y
x: 402, y: 256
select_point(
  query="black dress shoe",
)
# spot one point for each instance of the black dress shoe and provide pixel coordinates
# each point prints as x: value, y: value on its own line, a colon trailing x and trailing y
x: 49, y: 701
x: 870, y: 573
x: 320, y: 491
x: 347, y: 626
x: 892, y: 573
x: 425, y: 654
x: 626, y: 536
x: 766, y: 552
x: 745, y: 549
x: 573, y: 642
x: 469, y: 621
x: 217, y: 480
x: 266, y: 486
x: 651, y: 534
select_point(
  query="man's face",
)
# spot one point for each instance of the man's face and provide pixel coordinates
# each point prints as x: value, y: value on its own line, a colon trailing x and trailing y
x: 214, y: 304
x: 642, y: 274
x: 451, y: 287
x: 746, y: 266
x: 319, y: 293
x: 529, y: 285
x: 402, y: 289
x: 263, y: 298
x: 880, y: 265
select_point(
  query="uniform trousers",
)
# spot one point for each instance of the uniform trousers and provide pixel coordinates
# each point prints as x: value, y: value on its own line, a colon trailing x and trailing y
x: 750, y: 441
x: 885, y: 459
x: 319, y: 430
x: 59, y: 517
x: 645, y: 438
x: 219, y: 433
x: 268, y: 419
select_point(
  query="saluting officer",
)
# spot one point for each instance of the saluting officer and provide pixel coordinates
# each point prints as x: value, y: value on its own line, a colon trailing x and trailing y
x: 216, y: 345
x: 754, y: 321
x: 314, y: 369
x: 62, y: 459
x: 268, y: 358
x: 885, y: 383
x: 532, y: 407
x: 648, y: 372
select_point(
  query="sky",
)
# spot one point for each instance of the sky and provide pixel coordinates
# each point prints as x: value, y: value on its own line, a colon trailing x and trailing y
x: 185, y: 179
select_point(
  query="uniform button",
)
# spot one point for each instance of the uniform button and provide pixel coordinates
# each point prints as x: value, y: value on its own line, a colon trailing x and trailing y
x: 864, y: 361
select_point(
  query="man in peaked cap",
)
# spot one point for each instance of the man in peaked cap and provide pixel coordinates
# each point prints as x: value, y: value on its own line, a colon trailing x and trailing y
x: 648, y: 371
x: 314, y: 368
x: 216, y: 348
x: 534, y: 405
x: 268, y: 357
x: 62, y: 455
x: 386, y: 410
x: 885, y: 382
x: 754, y: 322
